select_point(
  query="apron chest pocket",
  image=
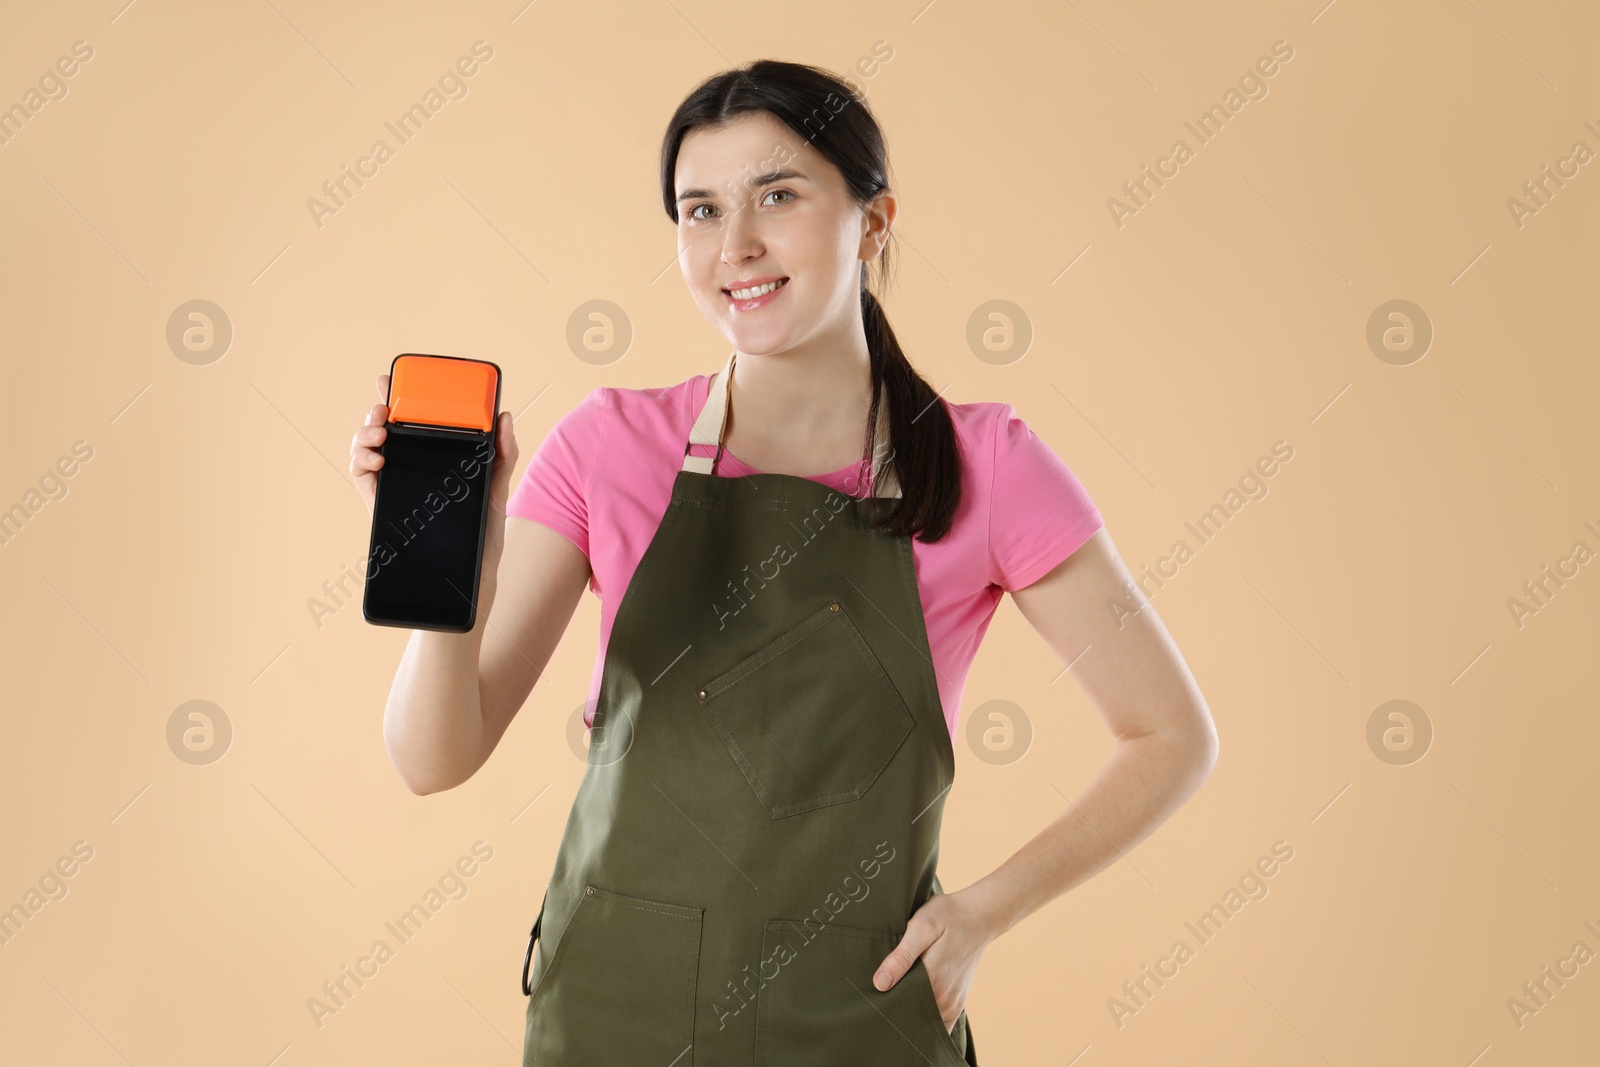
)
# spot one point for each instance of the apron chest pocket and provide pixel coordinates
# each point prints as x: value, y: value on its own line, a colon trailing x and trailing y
x: 811, y: 718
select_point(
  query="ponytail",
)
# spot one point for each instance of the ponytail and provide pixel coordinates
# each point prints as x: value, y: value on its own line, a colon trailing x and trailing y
x: 922, y: 439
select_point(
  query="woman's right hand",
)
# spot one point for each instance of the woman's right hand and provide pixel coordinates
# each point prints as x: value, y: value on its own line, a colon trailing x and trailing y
x: 365, y: 459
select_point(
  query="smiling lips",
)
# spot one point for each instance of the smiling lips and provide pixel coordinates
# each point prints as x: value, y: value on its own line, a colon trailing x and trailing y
x: 755, y: 293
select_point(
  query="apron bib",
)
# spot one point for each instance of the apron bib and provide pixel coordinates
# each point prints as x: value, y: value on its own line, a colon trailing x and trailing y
x: 761, y: 808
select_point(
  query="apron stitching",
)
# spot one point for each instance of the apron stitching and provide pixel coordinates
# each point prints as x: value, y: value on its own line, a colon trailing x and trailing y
x: 798, y: 806
x: 691, y: 973
x: 728, y: 505
x: 777, y: 647
x: 612, y: 897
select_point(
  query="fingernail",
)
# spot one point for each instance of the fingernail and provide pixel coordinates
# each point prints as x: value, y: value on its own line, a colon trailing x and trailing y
x: 882, y: 980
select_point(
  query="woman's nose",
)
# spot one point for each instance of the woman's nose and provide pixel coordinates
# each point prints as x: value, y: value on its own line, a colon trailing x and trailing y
x: 741, y: 236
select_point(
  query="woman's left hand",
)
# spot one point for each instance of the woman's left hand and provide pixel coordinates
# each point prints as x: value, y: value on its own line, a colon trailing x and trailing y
x: 949, y: 932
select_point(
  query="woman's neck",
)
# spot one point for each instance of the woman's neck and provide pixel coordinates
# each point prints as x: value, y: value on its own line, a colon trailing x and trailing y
x: 803, y: 410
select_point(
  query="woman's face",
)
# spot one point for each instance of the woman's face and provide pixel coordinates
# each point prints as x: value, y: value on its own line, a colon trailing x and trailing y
x: 758, y: 204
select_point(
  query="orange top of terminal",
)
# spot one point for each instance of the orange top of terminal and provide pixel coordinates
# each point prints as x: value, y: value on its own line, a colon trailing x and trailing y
x: 443, y: 392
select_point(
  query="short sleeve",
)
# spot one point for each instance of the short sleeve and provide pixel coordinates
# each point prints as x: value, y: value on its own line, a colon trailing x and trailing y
x: 554, y: 489
x: 1039, y: 512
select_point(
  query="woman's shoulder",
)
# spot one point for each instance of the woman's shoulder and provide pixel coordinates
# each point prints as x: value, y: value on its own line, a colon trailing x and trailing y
x: 1034, y: 509
x: 984, y: 429
x: 1020, y: 467
x: 976, y: 416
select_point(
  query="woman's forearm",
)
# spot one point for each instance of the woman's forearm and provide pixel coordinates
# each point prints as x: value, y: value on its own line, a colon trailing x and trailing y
x: 433, y: 721
x: 1146, y: 779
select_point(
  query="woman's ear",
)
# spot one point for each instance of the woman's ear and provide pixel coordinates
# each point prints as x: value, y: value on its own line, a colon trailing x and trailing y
x: 878, y: 216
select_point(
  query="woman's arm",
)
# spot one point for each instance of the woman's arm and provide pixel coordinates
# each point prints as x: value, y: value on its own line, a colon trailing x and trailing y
x: 1133, y: 673
x: 1128, y: 664
x: 454, y: 695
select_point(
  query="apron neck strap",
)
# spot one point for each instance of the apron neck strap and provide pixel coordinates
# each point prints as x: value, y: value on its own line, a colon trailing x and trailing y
x: 712, y: 425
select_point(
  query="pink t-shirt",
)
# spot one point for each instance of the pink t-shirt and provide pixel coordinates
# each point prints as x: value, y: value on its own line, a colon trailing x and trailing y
x: 603, y: 477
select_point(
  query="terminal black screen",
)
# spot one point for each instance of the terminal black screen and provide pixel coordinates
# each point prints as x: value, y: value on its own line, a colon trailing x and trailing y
x: 427, y: 530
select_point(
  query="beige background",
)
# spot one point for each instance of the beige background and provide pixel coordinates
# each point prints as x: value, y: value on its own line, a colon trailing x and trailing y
x: 1228, y: 313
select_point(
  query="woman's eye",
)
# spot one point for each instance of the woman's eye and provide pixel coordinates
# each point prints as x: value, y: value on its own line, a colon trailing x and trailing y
x: 694, y: 212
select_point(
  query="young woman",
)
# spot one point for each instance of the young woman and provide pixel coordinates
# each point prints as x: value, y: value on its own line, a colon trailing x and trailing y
x: 797, y: 557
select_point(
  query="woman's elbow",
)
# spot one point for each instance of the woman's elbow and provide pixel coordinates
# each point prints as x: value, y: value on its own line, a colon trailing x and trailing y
x: 420, y: 769
x: 1203, y: 744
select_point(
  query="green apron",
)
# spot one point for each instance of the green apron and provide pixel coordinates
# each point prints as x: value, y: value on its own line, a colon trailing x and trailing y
x: 760, y: 813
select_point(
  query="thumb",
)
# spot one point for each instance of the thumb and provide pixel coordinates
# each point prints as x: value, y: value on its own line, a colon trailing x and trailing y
x: 899, y: 961
x: 505, y: 458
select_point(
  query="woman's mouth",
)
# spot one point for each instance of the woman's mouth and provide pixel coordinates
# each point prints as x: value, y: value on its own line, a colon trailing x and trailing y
x: 755, y: 296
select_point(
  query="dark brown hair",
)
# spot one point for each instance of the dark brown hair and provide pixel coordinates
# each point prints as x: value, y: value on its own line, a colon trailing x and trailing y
x: 822, y: 109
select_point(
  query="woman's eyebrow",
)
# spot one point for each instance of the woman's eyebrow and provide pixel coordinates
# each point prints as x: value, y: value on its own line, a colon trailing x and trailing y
x: 758, y: 180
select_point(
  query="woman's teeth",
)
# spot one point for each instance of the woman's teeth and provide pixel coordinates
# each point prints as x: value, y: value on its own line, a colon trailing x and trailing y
x: 760, y: 290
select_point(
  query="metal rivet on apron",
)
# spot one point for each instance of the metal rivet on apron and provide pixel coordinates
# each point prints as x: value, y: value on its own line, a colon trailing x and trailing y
x: 702, y: 694
x: 834, y: 606
x: 589, y: 891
